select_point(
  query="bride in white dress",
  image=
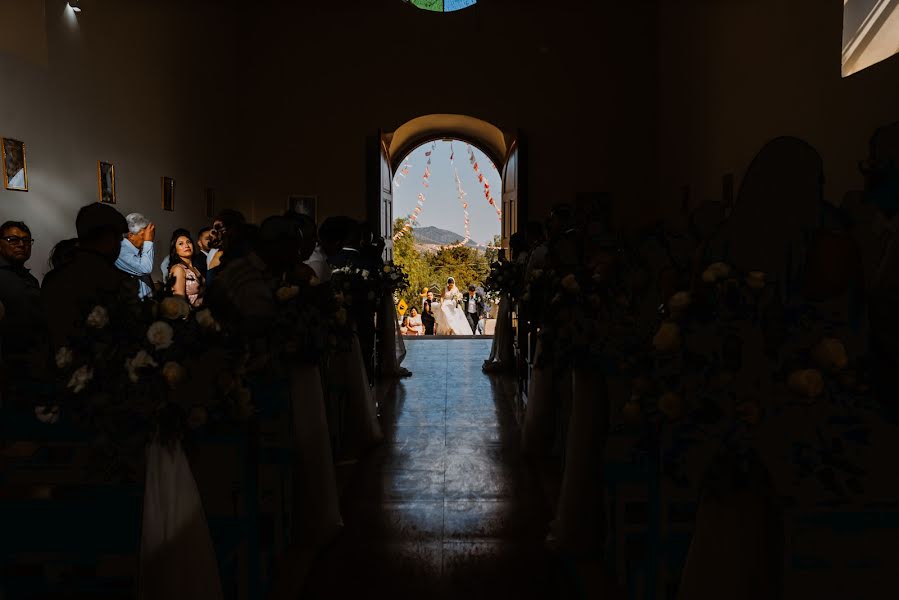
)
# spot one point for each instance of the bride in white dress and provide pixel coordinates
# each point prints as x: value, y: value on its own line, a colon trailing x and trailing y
x: 449, y: 317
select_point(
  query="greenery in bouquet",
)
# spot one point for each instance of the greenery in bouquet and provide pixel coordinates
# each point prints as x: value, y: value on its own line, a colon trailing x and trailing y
x: 302, y: 323
x: 146, y: 371
x: 505, y: 278
x: 393, y: 278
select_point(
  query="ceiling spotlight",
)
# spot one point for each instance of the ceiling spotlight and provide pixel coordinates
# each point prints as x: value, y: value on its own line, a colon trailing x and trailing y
x: 74, y: 5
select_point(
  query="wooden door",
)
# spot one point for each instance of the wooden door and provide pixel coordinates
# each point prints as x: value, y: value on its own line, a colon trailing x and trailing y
x: 514, y: 204
x: 385, y: 204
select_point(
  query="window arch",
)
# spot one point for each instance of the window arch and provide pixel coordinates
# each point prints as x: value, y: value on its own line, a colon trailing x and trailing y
x: 442, y: 5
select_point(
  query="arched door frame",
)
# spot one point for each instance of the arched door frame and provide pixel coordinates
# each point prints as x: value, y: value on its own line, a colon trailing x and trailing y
x: 499, y: 146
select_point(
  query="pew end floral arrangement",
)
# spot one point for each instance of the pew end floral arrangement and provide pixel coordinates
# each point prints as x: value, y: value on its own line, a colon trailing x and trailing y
x: 149, y: 372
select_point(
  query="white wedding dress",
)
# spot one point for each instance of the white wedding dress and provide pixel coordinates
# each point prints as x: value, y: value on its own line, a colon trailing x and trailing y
x: 449, y: 317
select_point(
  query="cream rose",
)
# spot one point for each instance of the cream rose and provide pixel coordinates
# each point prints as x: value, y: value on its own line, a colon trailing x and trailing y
x: 64, y: 357
x: 80, y: 379
x: 671, y: 405
x: 830, y: 355
x: 47, y: 414
x: 161, y: 335
x: 173, y: 373
x: 570, y: 284
x: 286, y: 293
x: 206, y: 320
x: 141, y: 360
x: 680, y: 302
x: 198, y: 417
x: 807, y: 382
x: 755, y: 279
x: 715, y: 271
x: 99, y: 318
x: 174, y: 307
x: 667, y: 338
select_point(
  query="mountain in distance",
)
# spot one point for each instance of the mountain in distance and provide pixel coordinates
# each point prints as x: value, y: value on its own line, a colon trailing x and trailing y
x: 434, y: 236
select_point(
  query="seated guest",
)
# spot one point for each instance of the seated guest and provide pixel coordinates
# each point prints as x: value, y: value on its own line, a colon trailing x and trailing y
x: 414, y: 325
x: 90, y: 277
x: 227, y: 235
x: 243, y: 291
x: 202, y: 249
x: 63, y: 252
x: 166, y: 261
x: 137, y: 253
x: 305, y: 226
x: 330, y: 240
x: 22, y: 325
x: 187, y: 279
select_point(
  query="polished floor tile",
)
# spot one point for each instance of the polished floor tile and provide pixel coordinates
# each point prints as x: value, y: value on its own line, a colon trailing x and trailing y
x: 445, y: 507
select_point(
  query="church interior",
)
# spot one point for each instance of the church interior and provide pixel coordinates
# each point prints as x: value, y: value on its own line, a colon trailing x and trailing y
x: 691, y: 391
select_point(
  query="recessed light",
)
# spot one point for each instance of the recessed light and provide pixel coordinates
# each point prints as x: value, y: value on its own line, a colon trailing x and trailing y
x: 74, y: 5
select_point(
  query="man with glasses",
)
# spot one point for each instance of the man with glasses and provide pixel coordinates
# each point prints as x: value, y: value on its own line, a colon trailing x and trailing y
x: 20, y: 294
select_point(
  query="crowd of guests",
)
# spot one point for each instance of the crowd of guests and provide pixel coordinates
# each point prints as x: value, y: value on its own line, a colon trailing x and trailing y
x: 114, y: 256
x: 474, y: 304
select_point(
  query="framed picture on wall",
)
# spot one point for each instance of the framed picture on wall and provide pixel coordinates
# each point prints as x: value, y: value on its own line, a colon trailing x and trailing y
x: 210, y: 202
x: 15, y: 173
x: 106, y: 181
x: 168, y: 194
x: 304, y: 205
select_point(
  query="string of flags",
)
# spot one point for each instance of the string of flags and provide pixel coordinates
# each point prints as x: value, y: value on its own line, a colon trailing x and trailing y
x: 403, y: 172
x: 483, y: 180
x: 461, y: 194
x: 419, y: 206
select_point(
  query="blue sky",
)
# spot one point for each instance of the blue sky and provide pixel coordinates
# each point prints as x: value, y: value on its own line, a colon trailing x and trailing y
x: 442, y: 207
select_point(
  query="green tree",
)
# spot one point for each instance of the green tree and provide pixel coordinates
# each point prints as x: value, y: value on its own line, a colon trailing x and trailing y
x: 491, y: 254
x: 467, y: 265
x: 410, y: 259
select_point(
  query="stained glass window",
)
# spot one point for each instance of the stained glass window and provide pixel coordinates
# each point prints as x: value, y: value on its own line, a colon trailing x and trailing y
x: 442, y: 5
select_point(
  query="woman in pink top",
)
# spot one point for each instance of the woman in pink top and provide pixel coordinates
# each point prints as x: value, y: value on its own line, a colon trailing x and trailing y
x: 186, y: 278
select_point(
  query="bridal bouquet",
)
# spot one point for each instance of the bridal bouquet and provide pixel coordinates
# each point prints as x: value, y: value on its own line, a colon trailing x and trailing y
x: 146, y: 371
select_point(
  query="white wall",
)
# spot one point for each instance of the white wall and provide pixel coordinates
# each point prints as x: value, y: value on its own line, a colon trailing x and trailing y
x: 138, y: 84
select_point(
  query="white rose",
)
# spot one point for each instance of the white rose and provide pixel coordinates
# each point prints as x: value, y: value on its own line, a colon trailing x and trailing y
x: 161, y: 335
x: 206, y: 320
x: 680, y: 302
x: 99, y: 318
x: 47, y: 414
x: 175, y: 307
x: 364, y: 273
x: 807, y: 382
x: 715, y: 271
x: 139, y: 361
x: 64, y: 357
x: 80, y: 379
x: 755, y: 279
x: 286, y: 293
x: 570, y: 284
x: 667, y: 338
x: 830, y: 354
x: 173, y: 373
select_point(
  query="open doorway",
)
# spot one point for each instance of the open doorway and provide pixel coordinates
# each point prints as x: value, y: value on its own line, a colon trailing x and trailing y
x: 446, y: 233
x: 449, y: 196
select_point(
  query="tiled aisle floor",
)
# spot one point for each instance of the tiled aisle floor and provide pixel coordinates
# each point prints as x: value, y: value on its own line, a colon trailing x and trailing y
x: 445, y: 508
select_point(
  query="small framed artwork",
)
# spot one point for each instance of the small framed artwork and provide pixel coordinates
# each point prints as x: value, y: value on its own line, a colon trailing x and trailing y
x: 304, y: 205
x: 168, y: 194
x: 210, y: 202
x: 15, y: 173
x: 106, y: 181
